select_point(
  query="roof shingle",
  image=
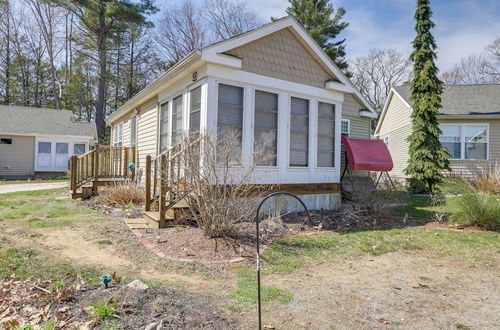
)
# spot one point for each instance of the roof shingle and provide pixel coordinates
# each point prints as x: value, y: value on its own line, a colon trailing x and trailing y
x: 464, y: 99
x: 41, y: 121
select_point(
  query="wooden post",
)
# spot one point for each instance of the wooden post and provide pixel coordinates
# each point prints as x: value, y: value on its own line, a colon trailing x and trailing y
x: 96, y: 169
x: 163, y: 187
x: 72, y: 164
x: 148, y: 183
x: 134, y: 150
x: 125, y: 161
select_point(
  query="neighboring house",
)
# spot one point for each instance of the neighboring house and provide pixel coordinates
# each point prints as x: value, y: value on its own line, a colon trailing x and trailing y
x: 469, y: 119
x: 274, y: 82
x: 35, y: 141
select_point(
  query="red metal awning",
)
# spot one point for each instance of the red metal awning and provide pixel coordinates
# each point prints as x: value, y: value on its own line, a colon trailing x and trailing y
x: 367, y: 154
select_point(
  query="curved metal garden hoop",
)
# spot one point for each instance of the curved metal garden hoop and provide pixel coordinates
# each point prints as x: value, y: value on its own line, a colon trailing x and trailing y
x: 258, y: 239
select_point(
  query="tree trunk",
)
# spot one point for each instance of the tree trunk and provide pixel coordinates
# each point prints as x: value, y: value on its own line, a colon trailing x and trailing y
x: 7, y: 56
x: 101, y: 85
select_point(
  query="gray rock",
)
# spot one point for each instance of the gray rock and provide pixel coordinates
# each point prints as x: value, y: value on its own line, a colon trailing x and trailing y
x: 137, y: 284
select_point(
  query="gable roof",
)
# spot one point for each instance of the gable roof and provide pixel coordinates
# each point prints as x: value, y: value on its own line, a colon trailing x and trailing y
x: 456, y: 101
x: 218, y: 53
x: 18, y: 120
x: 464, y: 99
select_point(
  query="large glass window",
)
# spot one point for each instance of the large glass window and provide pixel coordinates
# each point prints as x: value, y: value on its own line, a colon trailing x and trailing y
x: 299, y: 132
x: 176, y: 119
x: 266, y: 128
x: 465, y: 141
x: 451, y: 139
x: 230, y: 117
x: 326, y: 134
x: 475, y: 141
x: 164, y: 136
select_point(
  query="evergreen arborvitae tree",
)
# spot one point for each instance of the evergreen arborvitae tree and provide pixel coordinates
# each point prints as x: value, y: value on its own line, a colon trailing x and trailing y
x: 324, y: 24
x: 428, y: 158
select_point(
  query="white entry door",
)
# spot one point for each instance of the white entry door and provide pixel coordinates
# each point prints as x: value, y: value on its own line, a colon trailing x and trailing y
x: 61, y: 156
x: 44, y: 156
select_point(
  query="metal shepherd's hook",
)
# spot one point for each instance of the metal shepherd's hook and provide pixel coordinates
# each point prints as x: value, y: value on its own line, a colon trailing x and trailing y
x: 258, y: 240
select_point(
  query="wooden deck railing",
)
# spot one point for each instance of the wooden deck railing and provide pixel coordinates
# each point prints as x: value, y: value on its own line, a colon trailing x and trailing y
x: 102, y: 162
x: 167, y: 174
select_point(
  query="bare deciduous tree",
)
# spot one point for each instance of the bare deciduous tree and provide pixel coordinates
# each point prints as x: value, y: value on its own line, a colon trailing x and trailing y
x: 49, y: 17
x: 229, y: 18
x: 376, y: 73
x: 180, y: 31
x: 471, y: 70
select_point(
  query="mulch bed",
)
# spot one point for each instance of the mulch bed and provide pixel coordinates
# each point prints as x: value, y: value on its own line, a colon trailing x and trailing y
x: 29, y: 302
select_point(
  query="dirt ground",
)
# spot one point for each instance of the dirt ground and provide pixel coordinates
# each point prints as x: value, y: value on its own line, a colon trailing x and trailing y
x: 402, y: 290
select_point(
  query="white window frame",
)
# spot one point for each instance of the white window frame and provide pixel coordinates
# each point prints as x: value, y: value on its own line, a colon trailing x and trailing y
x: 462, y: 140
x: 311, y: 117
x: 348, y: 121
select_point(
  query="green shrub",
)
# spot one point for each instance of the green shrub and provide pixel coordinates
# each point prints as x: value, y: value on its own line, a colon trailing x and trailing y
x: 477, y: 208
x: 104, y: 308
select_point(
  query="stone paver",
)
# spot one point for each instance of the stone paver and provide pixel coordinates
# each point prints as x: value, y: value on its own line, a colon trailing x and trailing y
x: 8, y: 188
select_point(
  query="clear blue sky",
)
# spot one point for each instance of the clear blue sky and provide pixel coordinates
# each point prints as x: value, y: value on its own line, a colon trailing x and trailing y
x: 463, y: 27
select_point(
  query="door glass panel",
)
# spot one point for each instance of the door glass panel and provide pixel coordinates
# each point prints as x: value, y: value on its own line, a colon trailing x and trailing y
x: 79, y: 148
x: 61, y: 154
x: 44, y: 154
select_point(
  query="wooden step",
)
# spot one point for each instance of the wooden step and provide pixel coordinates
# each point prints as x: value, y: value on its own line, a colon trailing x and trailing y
x: 154, y: 218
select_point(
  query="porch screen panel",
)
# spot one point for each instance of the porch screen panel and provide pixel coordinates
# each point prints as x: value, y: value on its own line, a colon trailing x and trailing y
x: 326, y: 134
x: 299, y: 132
x: 164, y: 135
x: 176, y: 119
x: 230, y: 117
x: 194, y: 110
x: 266, y: 128
x: 133, y: 130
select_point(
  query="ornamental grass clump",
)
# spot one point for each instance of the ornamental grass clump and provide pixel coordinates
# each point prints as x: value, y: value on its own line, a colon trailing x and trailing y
x: 477, y: 208
x: 488, y: 181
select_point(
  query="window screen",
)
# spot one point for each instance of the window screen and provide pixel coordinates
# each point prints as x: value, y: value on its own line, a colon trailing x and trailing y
x: 164, y: 127
x: 194, y: 110
x: 5, y: 141
x: 177, y: 119
x: 133, y: 130
x: 326, y: 134
x: 266, y: 128
x: 299, y: 132
x: 230, y: 117
x: 44, y: 147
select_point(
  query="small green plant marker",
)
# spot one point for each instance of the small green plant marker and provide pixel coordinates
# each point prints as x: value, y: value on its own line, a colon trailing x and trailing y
x: 106, y: 279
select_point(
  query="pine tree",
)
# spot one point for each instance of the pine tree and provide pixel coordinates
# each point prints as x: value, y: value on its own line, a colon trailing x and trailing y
x: 427, y: 157
x: 324, y: 24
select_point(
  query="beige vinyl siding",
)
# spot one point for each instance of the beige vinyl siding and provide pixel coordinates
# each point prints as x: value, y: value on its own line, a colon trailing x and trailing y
x: 470, y: 168
x: 360, y: 129
x: 281, y: 55
x: 398, y: 147
x: 398, y: 115
x: 146, y: 133
x: 19, y: 156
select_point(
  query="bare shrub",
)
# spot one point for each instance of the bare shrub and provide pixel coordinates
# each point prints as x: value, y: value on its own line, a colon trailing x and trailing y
x: 123, y: 194
x: 372, y: 202
x: 220, y: 184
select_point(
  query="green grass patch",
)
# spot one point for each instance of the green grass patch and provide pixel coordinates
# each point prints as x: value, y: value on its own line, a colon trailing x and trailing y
x: 45, y: 192
x: 286, y: 255
x: 421, y: 207
x: 245, y: 295
x: 24, y: 263
x: 104, y: 242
